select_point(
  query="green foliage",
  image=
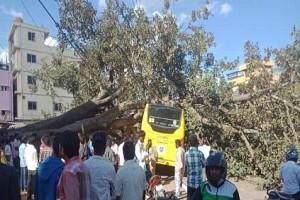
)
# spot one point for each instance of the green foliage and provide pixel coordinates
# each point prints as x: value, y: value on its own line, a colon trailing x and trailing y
x: 151, y: 58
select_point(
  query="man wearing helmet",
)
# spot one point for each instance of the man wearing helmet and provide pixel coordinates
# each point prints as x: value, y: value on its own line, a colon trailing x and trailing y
x: 216, y: 186
x: 290, y: 174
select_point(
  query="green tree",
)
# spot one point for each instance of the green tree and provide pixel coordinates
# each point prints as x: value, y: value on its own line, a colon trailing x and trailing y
x: 152, y: 58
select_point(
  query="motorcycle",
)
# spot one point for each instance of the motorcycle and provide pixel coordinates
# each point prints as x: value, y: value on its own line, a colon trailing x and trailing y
x: 155, y: 190
x: 277, y: 195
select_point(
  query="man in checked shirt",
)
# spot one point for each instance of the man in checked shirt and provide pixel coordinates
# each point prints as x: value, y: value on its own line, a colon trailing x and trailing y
x: 45, y: 148
x: 194, y: 164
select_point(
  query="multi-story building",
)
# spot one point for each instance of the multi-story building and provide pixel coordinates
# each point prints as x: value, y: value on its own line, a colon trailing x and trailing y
x: 6, y: 93
x: 241, y: 76
x: 27, y: 53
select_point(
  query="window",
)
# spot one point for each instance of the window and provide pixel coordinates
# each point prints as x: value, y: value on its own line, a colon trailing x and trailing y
x: 31, y: 36
x: 31, y: 80
x: 3, y: 112
x: 235, y: 75
x: 3, y: 88
x: 31, y: 105
x: 57, y: 106
x: 164, y: 116
x: 31, y: 58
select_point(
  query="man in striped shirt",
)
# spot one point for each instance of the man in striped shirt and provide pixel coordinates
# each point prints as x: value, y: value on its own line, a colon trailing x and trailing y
x: 45, y: 148
x: 194, y: 162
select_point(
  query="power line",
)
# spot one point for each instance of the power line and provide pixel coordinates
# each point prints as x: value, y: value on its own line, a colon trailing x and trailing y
x: 2, y: 47
x: 28, y: 12
x: 74, y: 46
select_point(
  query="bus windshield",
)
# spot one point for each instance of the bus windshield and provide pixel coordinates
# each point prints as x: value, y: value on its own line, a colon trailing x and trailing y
x: 164, y: 117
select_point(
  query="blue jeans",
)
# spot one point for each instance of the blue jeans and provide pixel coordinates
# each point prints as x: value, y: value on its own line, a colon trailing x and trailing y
x: 23, y: 179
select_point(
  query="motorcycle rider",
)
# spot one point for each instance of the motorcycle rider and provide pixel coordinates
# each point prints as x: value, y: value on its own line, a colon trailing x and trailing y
x: 290, y: 174
x: 216, y: 186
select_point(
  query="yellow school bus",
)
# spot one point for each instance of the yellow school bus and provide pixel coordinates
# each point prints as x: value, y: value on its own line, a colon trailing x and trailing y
x: 163, y: 125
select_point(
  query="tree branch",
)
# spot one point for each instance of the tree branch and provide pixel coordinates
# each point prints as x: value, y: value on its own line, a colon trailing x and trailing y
x: 291, y: 123
x: 285, y: 102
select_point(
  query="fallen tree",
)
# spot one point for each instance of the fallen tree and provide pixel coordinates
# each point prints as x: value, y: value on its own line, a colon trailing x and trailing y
x: 113, y: 118
x: 81, y: 112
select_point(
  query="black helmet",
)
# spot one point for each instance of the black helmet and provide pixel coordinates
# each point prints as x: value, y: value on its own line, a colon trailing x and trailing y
x: 292, y: 154
x: 216, y: 160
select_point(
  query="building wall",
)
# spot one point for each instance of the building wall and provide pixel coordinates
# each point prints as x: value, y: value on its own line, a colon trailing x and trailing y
x: 19, y: 47
x: 6, y: 97
x: 240, y: 76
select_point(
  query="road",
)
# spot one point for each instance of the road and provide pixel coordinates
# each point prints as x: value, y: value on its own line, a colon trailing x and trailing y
x: 246, y: 189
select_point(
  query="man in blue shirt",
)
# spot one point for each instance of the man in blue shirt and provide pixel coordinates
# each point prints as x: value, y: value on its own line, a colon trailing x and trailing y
x: 290, y: 174
x: 194, y: 164
x: 48, y: 174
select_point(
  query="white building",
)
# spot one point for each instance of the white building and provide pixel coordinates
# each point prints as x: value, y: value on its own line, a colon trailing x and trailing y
x: 28, y: 52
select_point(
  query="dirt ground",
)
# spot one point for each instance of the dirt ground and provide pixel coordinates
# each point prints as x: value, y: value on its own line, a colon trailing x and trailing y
x: 246, y: 189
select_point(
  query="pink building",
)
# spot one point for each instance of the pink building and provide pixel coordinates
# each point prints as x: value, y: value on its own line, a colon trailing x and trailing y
x: 6, y: 93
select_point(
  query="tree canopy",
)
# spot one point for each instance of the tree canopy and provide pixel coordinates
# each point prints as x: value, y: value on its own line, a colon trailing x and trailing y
x: 154, y: 59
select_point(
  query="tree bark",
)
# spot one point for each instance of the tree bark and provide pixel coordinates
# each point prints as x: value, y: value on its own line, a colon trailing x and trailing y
x: 245, y: 140
x: 107, y: 120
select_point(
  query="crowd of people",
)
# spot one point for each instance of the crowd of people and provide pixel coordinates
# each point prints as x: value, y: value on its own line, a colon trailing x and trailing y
x: 68, y: 166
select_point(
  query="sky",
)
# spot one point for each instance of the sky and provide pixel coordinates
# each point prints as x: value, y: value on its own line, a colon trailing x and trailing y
x: 266, y: 22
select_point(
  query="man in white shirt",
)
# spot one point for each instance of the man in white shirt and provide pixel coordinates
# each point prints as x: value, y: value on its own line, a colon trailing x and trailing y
x: 290, y: 174
x: 103, y: 175
x: 120, y: 154
x: 23, y: 166
x: 131, y: 178
x: 31, y: 160
x: 204, y: 147
x: 179, y: 166
x: 114, y: 146
x: 140, y: 152
x: 8, y: 153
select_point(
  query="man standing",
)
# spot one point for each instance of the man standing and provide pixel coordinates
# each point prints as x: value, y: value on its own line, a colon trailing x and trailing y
x: 8, y: 152
x: 15, y: 143
x: 152, y: 157
x: 290, y: 174
x: 9, y: 184
x: 45, y: 148
x: 48, y: 174
x: 194, y: 162
x: 32, y: 163
x: 131, y: 178
x: 216, y: 186
x: 179, y: 166
x: 120, y: 152
x: 140, y: 152
x: 109, y: 153
x: 204, y: 147
x: 103, y: 175
x: 82, y: 147
x: 114, y: 146
x: 23, y: 166
x: 74, y: 183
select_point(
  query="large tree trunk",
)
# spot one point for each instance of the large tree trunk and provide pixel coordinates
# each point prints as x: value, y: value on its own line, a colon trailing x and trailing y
x: 81, y: 112
x: 110, y: 119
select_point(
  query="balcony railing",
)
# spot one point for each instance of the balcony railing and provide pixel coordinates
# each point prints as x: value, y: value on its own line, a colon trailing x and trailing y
x: 234, y: 75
